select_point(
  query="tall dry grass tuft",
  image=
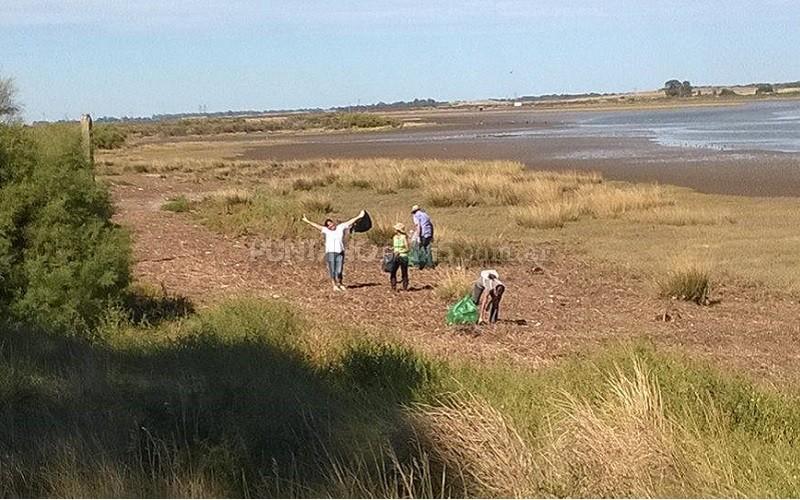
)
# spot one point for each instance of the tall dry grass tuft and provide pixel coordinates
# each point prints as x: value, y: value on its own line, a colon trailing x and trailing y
x: 455, y: 284
x: 469, y: 435
x: 231, y: 196
x: 623, y: 445
x: 603, y: 201
x: 548, y: 215
x: 688, y: 280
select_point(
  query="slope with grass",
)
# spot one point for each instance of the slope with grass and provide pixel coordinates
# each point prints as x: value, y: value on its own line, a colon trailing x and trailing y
x: 250, y: 398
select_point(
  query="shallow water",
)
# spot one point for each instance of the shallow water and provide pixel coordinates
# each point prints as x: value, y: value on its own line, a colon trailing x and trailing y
x: 760, y: 126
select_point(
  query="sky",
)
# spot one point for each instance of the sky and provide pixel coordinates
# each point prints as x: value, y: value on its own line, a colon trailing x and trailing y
x: 144, y: 57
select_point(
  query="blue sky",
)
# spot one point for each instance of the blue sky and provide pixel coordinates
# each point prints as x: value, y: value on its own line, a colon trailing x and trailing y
x: 142, y: 57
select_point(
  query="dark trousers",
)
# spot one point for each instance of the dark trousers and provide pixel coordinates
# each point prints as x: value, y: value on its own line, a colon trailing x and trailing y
x: 494, y: 309
x: 494, y: 302
x: 401, y: 263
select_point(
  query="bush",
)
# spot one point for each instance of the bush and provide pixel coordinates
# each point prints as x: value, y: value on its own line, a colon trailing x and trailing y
x: 386, y: 370
x: 108, y: 137
x: 62, y: 261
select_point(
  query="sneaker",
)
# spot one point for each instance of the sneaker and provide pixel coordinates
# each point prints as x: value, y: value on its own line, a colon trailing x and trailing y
x: 335, y: 288
x: 342, y: 288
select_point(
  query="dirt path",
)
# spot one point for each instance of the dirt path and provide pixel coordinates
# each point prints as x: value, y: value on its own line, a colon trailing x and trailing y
x: 572, y: 305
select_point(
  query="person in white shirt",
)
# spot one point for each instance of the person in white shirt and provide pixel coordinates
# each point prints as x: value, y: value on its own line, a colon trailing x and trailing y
x: 487, y: 292
x: 334, y: 233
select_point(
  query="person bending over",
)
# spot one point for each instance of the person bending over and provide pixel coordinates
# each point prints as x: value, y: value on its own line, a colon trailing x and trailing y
x: 334, y: 233
x: 487, y: 292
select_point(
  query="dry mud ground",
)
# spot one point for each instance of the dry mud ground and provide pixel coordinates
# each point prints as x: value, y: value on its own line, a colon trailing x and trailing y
x: 573, y: 305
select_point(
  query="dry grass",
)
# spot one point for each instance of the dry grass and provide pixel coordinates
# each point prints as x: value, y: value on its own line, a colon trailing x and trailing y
x: 231, y: 196
x: 622, y: 445
x: 548, y: 215
x: 317, y: 203
x: 676, y: 216
x: 469, y: 435
x: 611, y: 202
x: 688, y: 280
x: 455, y: 284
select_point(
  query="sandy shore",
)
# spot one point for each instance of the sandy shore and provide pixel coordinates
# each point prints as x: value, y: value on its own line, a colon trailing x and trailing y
x: 526, y: 136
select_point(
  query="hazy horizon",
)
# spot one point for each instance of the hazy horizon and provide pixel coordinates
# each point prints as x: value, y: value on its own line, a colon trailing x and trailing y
x: 119, y: 58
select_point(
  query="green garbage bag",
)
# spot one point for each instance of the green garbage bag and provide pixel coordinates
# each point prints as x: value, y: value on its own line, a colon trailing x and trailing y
x: 419, y: 258
x: 416, y: 257
x: 463, y: 312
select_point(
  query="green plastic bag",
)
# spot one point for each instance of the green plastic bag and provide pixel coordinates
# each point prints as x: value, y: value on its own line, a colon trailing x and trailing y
x: 419, y: 258
x: 463, y: 312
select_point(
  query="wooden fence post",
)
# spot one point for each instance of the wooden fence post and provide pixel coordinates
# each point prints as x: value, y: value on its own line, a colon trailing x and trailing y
x: 86, y: 137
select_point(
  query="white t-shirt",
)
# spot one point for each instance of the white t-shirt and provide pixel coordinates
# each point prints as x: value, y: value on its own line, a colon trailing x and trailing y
x: 488, y: 283
x: 334, y: 239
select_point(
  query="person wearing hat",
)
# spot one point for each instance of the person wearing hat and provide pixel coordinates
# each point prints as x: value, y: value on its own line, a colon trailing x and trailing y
x: 400, y: 249
x: 424, y: 230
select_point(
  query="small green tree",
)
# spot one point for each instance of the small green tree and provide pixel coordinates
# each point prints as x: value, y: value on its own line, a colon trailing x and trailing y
x: 676, y: 88
x: 672, y: 88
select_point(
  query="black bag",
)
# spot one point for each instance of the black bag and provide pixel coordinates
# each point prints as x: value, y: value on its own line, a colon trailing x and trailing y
x: 362, y: 225
x: 388, y: 260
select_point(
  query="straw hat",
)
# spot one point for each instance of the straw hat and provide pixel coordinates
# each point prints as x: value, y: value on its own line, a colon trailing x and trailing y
x: 400, y: 227
x: 414, y: 208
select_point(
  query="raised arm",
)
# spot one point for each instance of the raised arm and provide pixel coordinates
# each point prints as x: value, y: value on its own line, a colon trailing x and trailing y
x: 352, y: 221
x: 312, y: 224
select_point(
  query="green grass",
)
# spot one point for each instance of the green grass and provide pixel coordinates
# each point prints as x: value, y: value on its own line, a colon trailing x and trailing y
x: 177, y: 204
x: 251, y: 399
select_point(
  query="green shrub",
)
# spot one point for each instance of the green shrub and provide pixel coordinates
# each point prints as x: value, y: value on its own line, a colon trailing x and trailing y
x: 386, y: 370
x: 108, y: 137
x: 62, y: 260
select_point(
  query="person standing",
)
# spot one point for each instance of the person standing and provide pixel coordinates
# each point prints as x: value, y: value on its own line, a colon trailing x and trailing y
x: 334, y: 234
x: 400, y: 250
x: 487, y: 292
x: 424, y: 231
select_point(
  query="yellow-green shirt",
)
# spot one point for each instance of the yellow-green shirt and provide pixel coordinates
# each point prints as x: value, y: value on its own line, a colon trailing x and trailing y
x: 400, y: 245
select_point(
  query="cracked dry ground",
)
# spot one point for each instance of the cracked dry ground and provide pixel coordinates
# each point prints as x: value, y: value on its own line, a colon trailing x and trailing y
x: 574, y: 305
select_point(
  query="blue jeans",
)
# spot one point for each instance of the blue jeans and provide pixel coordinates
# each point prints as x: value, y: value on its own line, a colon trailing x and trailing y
x: 335, y: 263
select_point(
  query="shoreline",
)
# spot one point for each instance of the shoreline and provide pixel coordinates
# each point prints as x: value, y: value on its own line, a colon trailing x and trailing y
x: 631, y: 159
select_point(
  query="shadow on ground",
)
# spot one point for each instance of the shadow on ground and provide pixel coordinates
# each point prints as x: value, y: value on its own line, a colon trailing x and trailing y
x: 226, y: 408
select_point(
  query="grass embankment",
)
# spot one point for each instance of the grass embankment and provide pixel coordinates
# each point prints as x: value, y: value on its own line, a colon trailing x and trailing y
x: 250, y: 399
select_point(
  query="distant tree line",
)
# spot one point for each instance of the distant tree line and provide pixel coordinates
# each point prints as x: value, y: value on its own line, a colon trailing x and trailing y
x: 379, y: 106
